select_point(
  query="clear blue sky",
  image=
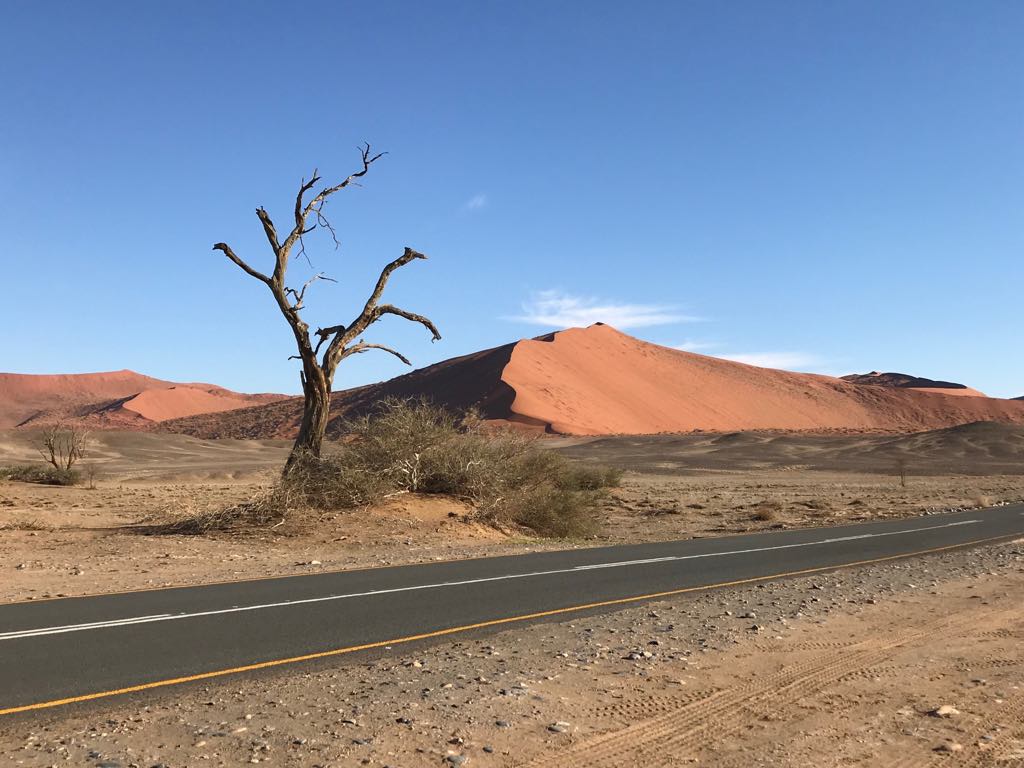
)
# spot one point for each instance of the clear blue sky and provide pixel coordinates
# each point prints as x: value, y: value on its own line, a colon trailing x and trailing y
x: 827, y: 186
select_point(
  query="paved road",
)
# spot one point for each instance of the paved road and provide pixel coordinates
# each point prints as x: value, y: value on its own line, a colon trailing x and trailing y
x: 78, y: 649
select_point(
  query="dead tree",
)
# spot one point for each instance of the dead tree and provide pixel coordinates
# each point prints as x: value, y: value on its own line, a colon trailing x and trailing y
x: 336, y: 341
x: 63, y: 446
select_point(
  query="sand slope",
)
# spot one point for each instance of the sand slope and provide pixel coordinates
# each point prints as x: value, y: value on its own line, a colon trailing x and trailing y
x: 116, y: 399
x: 598, y: 381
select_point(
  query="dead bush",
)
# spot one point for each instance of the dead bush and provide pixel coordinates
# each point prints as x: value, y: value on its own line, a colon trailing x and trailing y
x: 412, y: 446
x: 25, y: 524
x: 264, y: 510
x: 767, y: 511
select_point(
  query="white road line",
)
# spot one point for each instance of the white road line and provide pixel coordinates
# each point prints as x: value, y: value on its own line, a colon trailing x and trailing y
x: 577, y: 569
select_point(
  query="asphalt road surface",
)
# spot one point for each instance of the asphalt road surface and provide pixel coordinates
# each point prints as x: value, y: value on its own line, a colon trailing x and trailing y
x: 69, y: 650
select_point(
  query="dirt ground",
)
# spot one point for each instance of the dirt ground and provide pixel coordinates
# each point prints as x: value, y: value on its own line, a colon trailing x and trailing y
x: 57, y: 541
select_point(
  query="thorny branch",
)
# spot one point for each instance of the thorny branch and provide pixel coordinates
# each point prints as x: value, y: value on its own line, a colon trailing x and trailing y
x: 309, y: 215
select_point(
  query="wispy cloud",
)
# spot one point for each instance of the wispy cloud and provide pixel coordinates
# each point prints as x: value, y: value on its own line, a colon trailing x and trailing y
x: 558, y: 309
x: 784, y: 360
x: 691, y: 345
x: 475, y: 203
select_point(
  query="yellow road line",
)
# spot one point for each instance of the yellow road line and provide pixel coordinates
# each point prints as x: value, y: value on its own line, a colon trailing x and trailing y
x: 470, y: 627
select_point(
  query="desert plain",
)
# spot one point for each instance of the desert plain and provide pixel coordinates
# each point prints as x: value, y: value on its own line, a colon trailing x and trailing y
x: 847, y: 668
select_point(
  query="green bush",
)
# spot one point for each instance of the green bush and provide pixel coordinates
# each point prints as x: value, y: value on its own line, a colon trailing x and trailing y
x: 43, y: 474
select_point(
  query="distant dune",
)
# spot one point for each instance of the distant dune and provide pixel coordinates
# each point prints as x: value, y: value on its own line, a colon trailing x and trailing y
x: 114, y: 400
x: 906, y: 381
x: 598, y: 381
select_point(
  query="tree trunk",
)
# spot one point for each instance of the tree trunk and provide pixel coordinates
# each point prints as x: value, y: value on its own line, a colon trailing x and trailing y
x: 315, y: 413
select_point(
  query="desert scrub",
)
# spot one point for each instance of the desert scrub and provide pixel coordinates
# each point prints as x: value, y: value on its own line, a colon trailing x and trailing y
x: 767, y: 511
x: 41, y: 474
x: 412, y: 446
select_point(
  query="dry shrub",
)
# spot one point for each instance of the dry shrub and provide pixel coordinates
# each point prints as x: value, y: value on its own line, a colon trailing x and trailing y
x: 41, y: 474
x: 412, y: 446
x: 767, y: 511
x: 266, y: 509
x: 25, y: 524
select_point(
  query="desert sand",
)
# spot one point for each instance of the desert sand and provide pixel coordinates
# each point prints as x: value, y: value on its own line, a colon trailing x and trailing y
x: 598, y: 381
x: 113, y: 400
x: 76, y: 540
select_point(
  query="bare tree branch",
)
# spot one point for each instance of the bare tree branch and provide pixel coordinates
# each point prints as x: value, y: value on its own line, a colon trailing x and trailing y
x: 304, y: 209
x: 388, y: 309
x: 366, y: 317
x: 301, y: 294
x: 268, y: 228
x: 363, y: 346
x: 63, y: 446
x: 226, y: 250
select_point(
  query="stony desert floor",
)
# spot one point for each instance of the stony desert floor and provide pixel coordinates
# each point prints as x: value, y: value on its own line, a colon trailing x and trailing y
x: 842, y: 669
x: 57, y: 541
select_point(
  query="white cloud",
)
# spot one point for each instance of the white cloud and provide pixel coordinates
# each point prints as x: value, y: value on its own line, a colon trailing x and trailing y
x: 784, y: 360
x: 475, y: 203
x: 560, y: 310
x: 691, y: 345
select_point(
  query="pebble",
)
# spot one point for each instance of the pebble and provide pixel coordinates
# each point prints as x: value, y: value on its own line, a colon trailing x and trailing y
x: 946, y: 710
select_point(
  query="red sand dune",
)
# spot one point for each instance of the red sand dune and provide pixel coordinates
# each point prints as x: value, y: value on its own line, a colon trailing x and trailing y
x: 181, y: 401
x: 596, y: 380
x: 118, y: 399
x: 906, y: 381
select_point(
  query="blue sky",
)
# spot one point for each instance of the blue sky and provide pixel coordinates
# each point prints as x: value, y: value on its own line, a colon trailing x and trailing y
x: 829, y: 187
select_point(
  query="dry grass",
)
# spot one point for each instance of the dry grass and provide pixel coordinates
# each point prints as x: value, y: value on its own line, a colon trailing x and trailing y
x: 25, y: 524
x: 767, y: 511
x: 411, y: 446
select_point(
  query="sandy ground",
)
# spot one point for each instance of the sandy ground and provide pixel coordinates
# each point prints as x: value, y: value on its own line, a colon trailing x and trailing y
x: 837, y: 669
x: 71, y: 541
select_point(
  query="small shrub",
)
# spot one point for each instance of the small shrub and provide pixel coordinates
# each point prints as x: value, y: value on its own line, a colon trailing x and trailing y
x: 43, y: 475
x: 264, y: 510
x: 767, y: 511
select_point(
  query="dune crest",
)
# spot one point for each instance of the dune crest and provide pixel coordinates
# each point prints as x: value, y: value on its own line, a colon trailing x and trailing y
x: 115, y: 399
x: 599, y: 381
